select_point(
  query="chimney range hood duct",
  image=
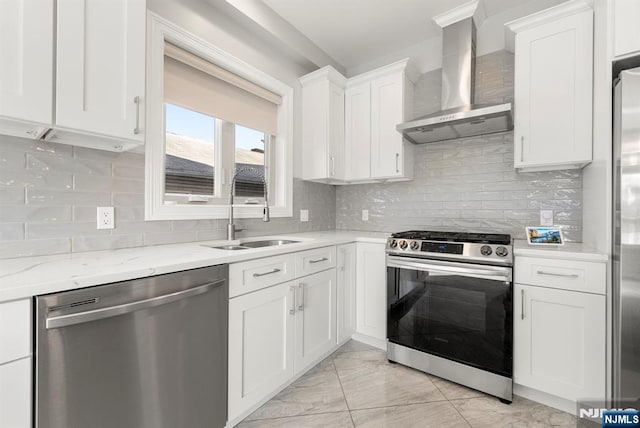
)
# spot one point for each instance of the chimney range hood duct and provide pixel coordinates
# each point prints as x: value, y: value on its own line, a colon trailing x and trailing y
x: 459, y: 116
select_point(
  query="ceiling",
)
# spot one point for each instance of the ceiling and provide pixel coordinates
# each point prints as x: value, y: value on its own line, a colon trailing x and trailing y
x: 356, y: 32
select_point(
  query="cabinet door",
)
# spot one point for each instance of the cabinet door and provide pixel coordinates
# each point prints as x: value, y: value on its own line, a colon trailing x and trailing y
x: 358, y: 132
x: 315, y: 131
x: 315, y: 317
x: 387, y: 105
x: 626, y: 32
x: 336, y: 132
x: 346, y: 291
x: 553, y: 92
x: 15, y: 394
x: 371, y: 286
x: 101, y: 66
x: 261, y: 335
x: 559, y: 342
x: 26, y: 68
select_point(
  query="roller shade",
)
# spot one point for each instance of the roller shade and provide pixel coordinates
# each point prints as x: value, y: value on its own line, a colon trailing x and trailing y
x: 197, y: 84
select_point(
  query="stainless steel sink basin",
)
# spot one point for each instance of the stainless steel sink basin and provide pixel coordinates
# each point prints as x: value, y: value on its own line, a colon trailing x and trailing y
x: 228, y: 247
x: 253, y: 244
x: 267, y: 243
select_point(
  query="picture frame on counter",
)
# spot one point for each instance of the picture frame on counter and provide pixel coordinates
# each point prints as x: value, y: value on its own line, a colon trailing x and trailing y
x: 544, y: 235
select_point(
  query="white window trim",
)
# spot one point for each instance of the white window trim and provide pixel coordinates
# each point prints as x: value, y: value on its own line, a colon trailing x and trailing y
x: 159, y: 30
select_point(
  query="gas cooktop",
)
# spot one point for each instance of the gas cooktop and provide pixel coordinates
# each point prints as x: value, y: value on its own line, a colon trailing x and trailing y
x: 490, y: 248
x: 474, y: 238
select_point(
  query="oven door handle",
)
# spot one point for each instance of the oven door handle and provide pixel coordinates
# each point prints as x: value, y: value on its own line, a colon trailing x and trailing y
x: 492, y: 273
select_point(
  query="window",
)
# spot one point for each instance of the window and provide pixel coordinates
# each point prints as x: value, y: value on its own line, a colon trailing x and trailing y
x: 210, y: 115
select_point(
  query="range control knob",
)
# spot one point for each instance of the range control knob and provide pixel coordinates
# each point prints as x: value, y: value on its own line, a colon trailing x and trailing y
x: 393, y: 243
x: 502, y: 252
x: 486, y: 250
x: 415, y: 245
x: 403, y: 244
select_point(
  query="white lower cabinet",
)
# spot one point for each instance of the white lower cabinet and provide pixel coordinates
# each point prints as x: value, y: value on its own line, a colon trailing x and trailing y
x: 346, y: 291
x: 371, y: 281
x: 560, y: 342
x: 279, y: 331
x: 315, y: 322
x: 15, y: 394
x: 261, y: 344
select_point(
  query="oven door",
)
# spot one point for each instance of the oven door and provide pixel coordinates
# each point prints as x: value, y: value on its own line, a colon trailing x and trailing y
x: 458, y: 311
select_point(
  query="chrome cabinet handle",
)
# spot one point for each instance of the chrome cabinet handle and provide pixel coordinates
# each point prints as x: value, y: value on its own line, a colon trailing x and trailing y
x: 324, y: 259
x: 522, y: 148
x: 136, y: 100
x: 564, y: 275
x: 257, y: 275
x: 522, y: 303
x: 112, y: 311
x: 301, y: 304
x: 397, y: 162
x: 292, y: 311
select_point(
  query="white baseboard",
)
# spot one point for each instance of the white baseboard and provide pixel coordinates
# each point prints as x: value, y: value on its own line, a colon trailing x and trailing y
x: 546, y: 399
x: 372, y: 341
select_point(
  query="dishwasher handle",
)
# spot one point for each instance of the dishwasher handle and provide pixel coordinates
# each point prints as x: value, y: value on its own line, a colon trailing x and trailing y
x: 112, y: 311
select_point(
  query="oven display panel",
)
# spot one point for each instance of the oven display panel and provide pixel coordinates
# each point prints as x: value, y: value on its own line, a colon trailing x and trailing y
x: 442, y: 247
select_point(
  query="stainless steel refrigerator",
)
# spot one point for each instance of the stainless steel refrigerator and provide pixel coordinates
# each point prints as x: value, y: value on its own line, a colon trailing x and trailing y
x: 626, y: 238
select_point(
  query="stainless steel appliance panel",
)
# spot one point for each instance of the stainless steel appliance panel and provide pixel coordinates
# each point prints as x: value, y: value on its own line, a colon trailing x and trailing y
x: 147, y: 353
x: 626, y: 264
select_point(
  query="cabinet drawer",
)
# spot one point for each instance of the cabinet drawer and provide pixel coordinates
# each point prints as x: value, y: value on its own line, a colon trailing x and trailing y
x: 589, y: 277
x: 15, y: 394
x: 15, y: 330
x: 253, y: 275
x: 312, y: 261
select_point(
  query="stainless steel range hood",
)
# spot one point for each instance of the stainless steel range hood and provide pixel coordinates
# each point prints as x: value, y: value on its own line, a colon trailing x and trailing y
x: 459, y: 116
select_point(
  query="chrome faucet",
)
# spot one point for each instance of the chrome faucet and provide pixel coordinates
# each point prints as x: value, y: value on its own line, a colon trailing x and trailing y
x: 231, y: 227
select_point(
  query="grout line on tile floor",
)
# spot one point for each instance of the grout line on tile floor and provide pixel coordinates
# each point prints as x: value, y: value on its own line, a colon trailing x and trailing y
x: 343, y: 394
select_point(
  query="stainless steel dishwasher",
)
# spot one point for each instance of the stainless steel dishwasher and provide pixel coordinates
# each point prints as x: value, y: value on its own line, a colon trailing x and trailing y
x: 146, y: 353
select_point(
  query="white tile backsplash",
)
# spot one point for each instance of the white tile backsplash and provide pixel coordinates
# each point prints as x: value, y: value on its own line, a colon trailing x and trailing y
x: 468, y: 184
x: 49, y: 194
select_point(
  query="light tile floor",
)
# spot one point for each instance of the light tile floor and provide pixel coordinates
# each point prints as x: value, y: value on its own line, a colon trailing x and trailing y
x: 357, y: 386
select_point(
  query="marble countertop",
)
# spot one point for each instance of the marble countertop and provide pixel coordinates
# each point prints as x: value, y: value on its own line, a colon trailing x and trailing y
x: 30, y: 276
x: 571, y: 251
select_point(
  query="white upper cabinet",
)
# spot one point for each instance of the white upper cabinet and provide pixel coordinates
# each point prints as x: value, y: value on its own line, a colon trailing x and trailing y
x: 101, y: 67
x: 349, y: 135
x: 626, y: 31
x: 388, y: 149
x: 323, y: 125
x: 553, y: 88
x: 358, y: 131
x: 26, y: 68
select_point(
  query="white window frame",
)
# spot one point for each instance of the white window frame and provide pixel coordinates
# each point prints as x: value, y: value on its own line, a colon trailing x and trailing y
x: 281, y: 192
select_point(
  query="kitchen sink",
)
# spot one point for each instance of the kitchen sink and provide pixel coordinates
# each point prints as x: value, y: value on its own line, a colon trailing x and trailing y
x: 228, y: 247
x: 267, y: 243
x: 253, y: 244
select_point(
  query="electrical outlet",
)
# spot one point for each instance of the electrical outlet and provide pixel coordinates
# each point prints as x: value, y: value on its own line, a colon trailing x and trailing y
x: 546, y: 218
x: 304, y: 215
x: 365, y: 215
x: 105, y: 218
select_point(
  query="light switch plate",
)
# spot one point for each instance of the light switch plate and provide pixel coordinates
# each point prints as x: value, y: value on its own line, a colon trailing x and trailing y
x: 546, y: 217
x: 304, y: 215
x: 105, y: 218
x: 365, y: 215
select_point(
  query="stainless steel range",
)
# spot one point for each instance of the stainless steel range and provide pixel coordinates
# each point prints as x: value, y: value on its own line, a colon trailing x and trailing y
x: 450, y: 306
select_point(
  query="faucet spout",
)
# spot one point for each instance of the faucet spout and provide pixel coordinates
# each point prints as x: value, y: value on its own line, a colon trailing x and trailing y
x: 231, y: 227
